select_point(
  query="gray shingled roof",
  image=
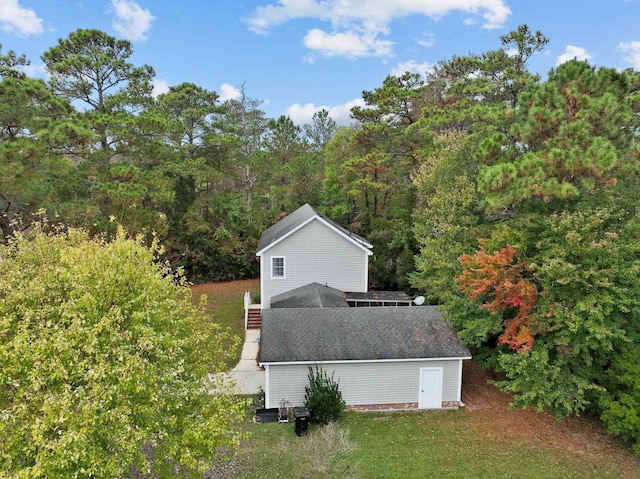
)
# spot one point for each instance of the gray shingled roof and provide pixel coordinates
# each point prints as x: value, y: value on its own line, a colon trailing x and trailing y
x: 290, y: 222
x: 314, y: 295
x: 343, y: 334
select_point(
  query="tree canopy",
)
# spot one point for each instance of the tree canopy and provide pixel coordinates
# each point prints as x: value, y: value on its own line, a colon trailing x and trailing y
x: 550, y: 293
x: 103, y: 357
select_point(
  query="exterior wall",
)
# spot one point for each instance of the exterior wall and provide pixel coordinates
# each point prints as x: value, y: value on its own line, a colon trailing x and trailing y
x: 364, y: 383
x: 314, y: 253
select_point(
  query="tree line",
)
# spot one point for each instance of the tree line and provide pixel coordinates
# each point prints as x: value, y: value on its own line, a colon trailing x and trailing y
x: 94, y: 148
x: 508, y: 199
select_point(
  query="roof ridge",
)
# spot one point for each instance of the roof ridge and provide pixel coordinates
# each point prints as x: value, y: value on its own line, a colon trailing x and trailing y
x: 297, y: 218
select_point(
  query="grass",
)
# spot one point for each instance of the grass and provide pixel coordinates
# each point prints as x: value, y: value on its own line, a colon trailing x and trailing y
x: 438, y: 444
x: 225, y: 307
x: 451, y: 443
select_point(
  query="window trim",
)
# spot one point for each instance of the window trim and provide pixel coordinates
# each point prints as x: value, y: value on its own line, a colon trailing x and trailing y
x: 284, y: 267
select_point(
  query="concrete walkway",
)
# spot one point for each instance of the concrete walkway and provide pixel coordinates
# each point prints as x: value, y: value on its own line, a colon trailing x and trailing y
x: 248, y: 375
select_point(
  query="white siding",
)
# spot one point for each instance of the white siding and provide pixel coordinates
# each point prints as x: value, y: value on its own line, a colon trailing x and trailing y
x: 363, y: 383
x: 314, y: 253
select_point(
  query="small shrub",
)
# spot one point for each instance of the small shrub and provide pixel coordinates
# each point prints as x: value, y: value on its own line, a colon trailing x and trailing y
x: 323, y: 397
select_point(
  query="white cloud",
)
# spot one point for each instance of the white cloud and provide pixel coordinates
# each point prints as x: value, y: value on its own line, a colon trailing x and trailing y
x: 573, y: 52
x: 271, y: 15
x: 512, y: 52
x: 358, y: 25
x: 302, y: 114
x: 348, y: 44
x: 35, y: 71
x: 411, y: 66
x: 133, y: 22
x: 427, y: 40
x: 633, y: 53
x: 373, y: 12
x: 160, y: 87
x: 15, y: 19
x: 228, y: 92
x: 341, y: 114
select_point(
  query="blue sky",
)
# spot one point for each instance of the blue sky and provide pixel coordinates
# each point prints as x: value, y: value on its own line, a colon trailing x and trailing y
x: 298, y: 56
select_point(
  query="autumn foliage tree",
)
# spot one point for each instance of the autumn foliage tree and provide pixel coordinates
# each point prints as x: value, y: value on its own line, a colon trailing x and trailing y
x: 544, y: 176
x: 556, y: 190
x: 503, y: 282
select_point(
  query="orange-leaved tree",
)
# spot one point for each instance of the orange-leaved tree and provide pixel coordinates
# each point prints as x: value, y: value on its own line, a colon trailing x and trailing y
x: 502, y: 281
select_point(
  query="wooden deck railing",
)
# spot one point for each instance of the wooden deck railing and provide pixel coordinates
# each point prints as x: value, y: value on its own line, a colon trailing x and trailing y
x: 247, y: 303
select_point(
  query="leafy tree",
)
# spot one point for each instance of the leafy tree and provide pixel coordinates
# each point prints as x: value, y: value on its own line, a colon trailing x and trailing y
x: 371, y: 184
x: 388, y: 145
x: 476, y: 93
x: 321, y: 130
x: 587, y: 310
x: 288, y: 164
x: 559, y: 318
x: 197, y: 162
x: 448, y: 215
x: 619, y: 402
x: 102, y: 353
x: 502, y: 281
x: 336, y: 202
x: 38, y: 131
x: 544, y: 175
x: 135, y: 197
x: 562, y: 192
x: 245, y: 125
x: 468, y: 102
x: 192, y: 114
x: 91, y: 65
x: 397, y: 102
x: 568, y: 138
x: 323, y: 397
x: 10, y: 64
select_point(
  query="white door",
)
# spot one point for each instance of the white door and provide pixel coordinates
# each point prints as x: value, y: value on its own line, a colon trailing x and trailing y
x: 430, y: 388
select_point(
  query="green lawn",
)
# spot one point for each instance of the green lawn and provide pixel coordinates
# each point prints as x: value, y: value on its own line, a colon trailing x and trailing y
x: 225, y: 306
x: 429, y: 444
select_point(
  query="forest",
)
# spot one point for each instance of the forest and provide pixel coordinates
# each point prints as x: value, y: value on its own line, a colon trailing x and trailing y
x: 507, y: 198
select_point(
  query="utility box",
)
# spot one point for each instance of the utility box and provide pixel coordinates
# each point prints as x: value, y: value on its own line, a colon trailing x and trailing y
x: 302, y: 416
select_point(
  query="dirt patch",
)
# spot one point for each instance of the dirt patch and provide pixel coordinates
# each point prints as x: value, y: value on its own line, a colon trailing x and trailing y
x: 582, y: 435
x: 411, y: 406
x: 477, y: 393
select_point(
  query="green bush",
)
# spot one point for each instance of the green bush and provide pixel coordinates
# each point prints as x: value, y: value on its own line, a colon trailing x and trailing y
x: 619, y: 402
x: 323, y: 397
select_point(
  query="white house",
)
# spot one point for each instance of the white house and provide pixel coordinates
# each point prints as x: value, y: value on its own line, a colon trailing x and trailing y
x: 313, y: 275
x: 306, y: 247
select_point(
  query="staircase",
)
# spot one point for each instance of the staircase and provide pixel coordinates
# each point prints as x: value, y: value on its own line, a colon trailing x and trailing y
x: 254, y: 318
